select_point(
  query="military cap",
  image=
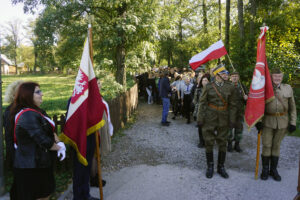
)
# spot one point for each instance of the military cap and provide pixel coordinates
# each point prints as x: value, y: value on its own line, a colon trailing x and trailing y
x: 276, y: 71
x: 224, y: 72
x: 218, y: 69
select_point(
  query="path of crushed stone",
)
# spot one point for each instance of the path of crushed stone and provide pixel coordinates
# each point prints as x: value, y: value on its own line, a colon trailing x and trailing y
x: 156, y: 162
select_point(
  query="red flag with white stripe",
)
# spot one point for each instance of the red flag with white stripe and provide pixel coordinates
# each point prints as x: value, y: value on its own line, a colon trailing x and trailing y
x: 261, y: 89
x: 86, y: 107
x: 213, y: 52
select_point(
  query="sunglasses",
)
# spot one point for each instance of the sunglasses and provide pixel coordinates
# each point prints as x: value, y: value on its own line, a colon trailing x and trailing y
x: 38, y: 92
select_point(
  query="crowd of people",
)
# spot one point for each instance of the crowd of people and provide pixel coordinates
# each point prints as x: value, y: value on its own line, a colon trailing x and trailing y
x: 216, y: 100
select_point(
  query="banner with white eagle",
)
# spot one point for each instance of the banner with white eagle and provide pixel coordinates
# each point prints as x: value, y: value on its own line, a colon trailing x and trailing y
x: 261, y: 89
x: 85, y: 109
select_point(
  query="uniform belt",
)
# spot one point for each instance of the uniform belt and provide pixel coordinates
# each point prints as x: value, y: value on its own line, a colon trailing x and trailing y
x: 220, y: 108
x: 277, y: 114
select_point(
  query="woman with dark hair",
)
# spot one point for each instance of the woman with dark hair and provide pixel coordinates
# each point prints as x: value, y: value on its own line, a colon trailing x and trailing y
x: 35, y: 143
x: 198, y: 91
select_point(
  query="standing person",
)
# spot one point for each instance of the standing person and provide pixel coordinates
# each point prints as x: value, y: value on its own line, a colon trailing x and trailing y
x: 280, y: 116
x: 217, y: 112
x: 9, y: 96
x: 176, y: 95
x: 82, y: 174
x: 186, y: 98
x: 242, y: 97
x: 35, y: 143
x: 165, y: 93
x: 106, y: 132
x: 198, y: 91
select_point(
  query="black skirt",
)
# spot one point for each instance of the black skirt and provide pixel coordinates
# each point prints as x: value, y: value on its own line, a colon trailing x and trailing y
x: 31, y: 184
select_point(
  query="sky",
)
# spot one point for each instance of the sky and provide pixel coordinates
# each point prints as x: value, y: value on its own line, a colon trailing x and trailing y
x: 9, y: 12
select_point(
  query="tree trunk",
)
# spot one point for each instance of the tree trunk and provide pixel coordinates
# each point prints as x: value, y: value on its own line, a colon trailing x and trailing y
x: 204, y: 16
x: 252, y: 43
x: 227, y: 25
x: 241, y: 22
x: 121, y: 50
x: 35, y: 61
x: 121, y: 67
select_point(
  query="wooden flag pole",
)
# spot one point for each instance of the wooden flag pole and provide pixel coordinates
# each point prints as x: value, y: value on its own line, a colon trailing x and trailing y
x: 257, y: 154
x: 97, y: 132
x: 235, y: 71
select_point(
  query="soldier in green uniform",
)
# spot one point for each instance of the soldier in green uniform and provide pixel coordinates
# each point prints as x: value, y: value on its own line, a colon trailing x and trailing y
x: 236, y: 133
x: 280, y: 116
x: 217, y: 112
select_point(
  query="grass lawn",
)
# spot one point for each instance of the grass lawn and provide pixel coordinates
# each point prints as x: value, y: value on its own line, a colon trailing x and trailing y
x: 56, y: 90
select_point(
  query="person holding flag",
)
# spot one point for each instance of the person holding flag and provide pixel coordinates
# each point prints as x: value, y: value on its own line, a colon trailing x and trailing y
x: 280, y: 116
x: 217, y: 112
x: 83, y: 119
x: 272, y: 114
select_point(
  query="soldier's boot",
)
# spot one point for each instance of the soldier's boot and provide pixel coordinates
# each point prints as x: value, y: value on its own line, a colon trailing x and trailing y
x: 273, y: 169
x: 229, y: 146
x: 210, y: 165
x: 201, y: 139
x: 237, y: 147
x: 221, y: 161
x: 265, y: 167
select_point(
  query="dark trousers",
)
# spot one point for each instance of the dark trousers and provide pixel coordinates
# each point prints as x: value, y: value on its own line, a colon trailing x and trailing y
x: 81, y: 173
x: 187, y: 100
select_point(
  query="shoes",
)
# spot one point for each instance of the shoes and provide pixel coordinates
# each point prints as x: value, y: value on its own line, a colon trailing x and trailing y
x: 168, y: 122
x: 165, y: 124
x: 265, y: 167
x: 174, y: 118
x: 229, y: 146
x: 95, y: 183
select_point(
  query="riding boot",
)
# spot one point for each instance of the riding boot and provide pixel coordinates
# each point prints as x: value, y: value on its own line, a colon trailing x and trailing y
x: 273, y: 168
x: 210, y: 164
x: 221, y: 160
x: 201, y: 139
x: 237, y: 147
x: 229, y: 147
x: 265, y: 167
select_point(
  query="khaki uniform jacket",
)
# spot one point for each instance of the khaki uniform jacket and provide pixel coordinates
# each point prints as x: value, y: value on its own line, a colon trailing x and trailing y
x: 285, y: 93
x: 211, y: 116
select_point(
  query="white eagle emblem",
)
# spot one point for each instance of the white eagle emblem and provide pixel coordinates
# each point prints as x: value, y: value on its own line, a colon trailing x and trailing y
x: 81, y: 84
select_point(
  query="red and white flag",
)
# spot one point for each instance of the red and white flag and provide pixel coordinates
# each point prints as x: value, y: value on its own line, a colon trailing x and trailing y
x: 261, y: 89
x: 85, y: 109
x: 213, y: 52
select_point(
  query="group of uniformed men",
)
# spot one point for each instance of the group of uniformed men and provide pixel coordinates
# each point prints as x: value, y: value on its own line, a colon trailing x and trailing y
x: 221, y: 110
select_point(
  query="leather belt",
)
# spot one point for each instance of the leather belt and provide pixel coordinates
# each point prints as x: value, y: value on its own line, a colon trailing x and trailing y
x: 220, y: 108
x: 277, y: 114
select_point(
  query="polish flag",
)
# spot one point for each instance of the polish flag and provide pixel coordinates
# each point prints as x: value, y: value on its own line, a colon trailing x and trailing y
x: 86, y: 108
x: 261, y: 89
x: 213, y: 52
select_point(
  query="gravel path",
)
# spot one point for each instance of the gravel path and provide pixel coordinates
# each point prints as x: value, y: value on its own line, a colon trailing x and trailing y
x: 156, y: 162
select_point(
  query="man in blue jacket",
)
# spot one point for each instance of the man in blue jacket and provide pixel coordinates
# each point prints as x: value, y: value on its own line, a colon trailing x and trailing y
x: 165, y: 93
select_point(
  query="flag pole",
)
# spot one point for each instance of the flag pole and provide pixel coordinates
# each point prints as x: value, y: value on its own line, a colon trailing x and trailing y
x: 257, y: 154
x: 97, y: 132
x: 235, y: 71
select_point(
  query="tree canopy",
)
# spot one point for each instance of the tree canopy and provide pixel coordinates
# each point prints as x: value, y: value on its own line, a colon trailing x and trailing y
x: 135, y: 35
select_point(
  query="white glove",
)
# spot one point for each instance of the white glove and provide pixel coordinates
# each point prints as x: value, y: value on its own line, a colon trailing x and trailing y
x: 62, y: 151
